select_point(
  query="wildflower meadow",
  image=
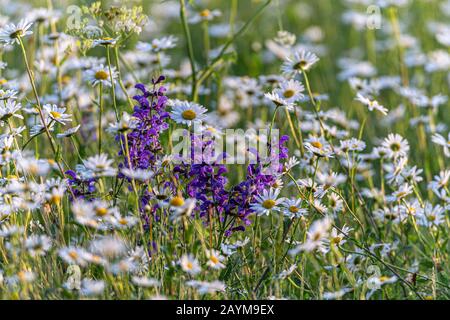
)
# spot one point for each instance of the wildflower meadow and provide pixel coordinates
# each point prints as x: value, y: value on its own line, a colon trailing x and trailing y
x: 225, y: 149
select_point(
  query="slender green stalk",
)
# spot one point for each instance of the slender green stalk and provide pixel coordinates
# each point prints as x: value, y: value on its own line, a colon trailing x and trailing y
x: 187, y: 34
x: 214, y: 62
x: 38, y: 103
x: 100, y: 115
x: 119, y: 77
x: 113, y: 89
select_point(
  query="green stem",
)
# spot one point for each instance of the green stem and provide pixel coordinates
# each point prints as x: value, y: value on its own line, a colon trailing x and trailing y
x: 38, y: 103
x: 187, y: 34
x: 113, y: 89
x: 119, y: 77
x: 209, y: 69
x: 100, y: 105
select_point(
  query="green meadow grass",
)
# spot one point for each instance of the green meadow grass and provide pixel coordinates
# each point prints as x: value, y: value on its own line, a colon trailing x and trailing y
x: 388, y: 252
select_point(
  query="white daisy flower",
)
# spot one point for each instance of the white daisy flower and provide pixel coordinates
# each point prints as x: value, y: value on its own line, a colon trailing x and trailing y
x: 205, y: 287
x: 11, y: 33
x: 291, y: 90
x: 181, y: 207
x: 190, y: 264
x: 316, y: 236
x: 57, y: 114
x: 10, y: 109
x: 279, y: 101
x: 100, y: 165
x: 395, y: 146
x: 185, y: 112
x: 267, y: 202
x: 69, y: 132
x: 338, y: 237
x: 158, y: 45
x: 445, y: 143
x: 215, y: 259
x: 319, y: 147
x: 92, y: 287
x: 43, y: 15
x: 73, y: 255
x: 440, y: 181
x: 431, y: 215
x: 401, y: 193
x: 137, y: 174
x: 371, y: 104
x: 109, y: 247
x: 205, y: 15
x: 301, y: 61
x: 127, y: 122
x: 33, y: 166
x: 8, y: 94
x: 286, y: 273
x: 56, y: 194
x: 145, y: 282
x: 352, y: 144
x: 122, y: 222
x: 100, y: 74
x: 106, y: 41
x: 290, y: 164
x: 38, y: 245
x: 292, y: 208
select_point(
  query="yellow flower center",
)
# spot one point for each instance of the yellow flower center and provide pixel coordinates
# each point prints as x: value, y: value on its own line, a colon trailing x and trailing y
x: 96, y: 259
x: 401, y: 194
x: 268, y: 204
x: 189, y: 265
x: 66, y: 79
x: 55, y: 114
x: 101, y: 212
x: 336, y: 240
x: 21, y: 275
x: 276, y: 184
x: 101, y: 75
x: 316, y: 236
x: 300, y: 65
x: 16, y: 34
x: 73, y: 254
x: 33, y: 169
x: 317, y: 144
x: 177, y: 201
x: 100, y: 166
x: 214, y: 259
x: 395, y: 146
x: 56, y: 199
x: 289, y: 93
x: 189, y: 115
x: 205, y: 13
x: 293, y: 209
x: 3, y: 81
